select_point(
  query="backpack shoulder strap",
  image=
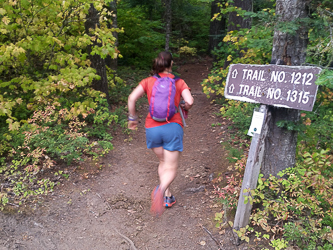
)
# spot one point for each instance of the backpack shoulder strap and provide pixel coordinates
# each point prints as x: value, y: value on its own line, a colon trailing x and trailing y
x: 176, y: 78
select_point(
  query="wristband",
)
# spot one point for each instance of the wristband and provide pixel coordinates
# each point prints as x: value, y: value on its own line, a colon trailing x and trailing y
x: 132, y: 117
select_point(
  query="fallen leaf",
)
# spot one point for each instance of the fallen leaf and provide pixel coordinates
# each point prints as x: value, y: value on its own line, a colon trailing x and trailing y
x: 202, y: 243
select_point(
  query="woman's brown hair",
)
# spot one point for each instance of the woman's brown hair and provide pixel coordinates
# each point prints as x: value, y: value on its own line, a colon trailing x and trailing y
x: 162, y: 62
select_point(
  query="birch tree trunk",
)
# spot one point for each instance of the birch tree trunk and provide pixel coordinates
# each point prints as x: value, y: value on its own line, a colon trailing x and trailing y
x: 168, y: 19
x: 96, y: 61
x: 217, y: 28
x: 288, y: 49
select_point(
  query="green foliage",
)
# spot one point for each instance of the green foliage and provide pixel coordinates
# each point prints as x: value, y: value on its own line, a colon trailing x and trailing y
x: 44, y: 55
x: 240, y: 113
x: 141, y: 38
x: 234, y: 154
x: 49, y: 136
x: 298, y: 206
x: 144, y: 29
x: 191, y: 20
x: 320, y: 48
x: 229, y: 194
x: 279, y: 244
x: 48, y: 111
x: 317, y: 127
x: 302, y: 234
x: 326, y: 78
x: 304, y: 195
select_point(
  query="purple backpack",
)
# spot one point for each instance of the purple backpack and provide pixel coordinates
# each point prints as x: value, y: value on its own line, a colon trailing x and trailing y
x: 162, y: 101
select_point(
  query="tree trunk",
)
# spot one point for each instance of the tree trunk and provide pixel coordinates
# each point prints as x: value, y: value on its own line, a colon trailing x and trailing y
x: 168, y: 19
x: 113, y: 63
x: 290, y: 49
x: 237, y: 22
x: 96, y: 61
x: 217, y: 28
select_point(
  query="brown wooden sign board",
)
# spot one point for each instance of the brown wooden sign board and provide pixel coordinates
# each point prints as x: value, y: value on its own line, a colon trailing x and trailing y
x: 278, y: 85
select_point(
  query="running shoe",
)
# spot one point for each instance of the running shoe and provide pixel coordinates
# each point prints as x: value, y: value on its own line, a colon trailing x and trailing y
x: 169, y: 201
x: 157, y: 207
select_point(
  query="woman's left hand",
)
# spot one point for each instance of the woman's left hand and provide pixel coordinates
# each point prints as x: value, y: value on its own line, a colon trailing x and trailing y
x: 133, y: 125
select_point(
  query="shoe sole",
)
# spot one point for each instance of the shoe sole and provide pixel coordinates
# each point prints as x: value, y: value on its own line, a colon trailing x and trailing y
x: 157, y: 207
x: 169, y: 204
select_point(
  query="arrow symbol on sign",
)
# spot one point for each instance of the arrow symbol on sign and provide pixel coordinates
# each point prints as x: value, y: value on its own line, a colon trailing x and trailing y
x: 231, y: 89
x: 234, y: 73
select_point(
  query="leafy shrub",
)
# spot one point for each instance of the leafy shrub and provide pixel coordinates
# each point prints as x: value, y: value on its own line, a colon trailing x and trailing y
x: 303, y: 195
x: 190, y: 21
x: 141, y: 38
x: 49, y: 136
x: 229, y: 194
x: 240, y: 114
x: 44, y: 56
x: 303, y: 235
x: 297, y: 206
x: 185, y: 50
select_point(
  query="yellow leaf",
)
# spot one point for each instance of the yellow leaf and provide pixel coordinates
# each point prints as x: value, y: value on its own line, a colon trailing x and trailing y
x: 19, y: 100
x: 5, y: 20
x: 14, y: 126
x: 2, y: 11
x: 12, y: 2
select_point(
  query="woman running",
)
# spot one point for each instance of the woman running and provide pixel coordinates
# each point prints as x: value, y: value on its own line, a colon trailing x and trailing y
x: 164, y: 138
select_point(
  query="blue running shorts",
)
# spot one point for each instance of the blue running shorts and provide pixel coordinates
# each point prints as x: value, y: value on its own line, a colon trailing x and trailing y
x: 168, y: 136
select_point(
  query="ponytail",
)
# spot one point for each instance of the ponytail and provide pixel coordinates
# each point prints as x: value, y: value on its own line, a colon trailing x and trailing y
x: 162, y: 62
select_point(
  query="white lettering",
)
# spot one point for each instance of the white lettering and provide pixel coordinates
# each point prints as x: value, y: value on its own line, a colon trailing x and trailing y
x: 281, y: 76
x: 251, y: 91
x: 244, y: 73
x: 241, y: 88
x: 274, y: 76
x: 270, y: 93
x: 262, y: 76
x: 255, y: 75
x: 249, y: 74
x: 246, y: 90
x: 277, y: 94
x: 258, y: 94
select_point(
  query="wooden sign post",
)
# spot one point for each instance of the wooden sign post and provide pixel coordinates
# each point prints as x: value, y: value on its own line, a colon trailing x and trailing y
x: 282, y: 86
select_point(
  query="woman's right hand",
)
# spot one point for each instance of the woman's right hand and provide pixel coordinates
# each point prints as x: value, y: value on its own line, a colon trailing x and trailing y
x: 133, y: 125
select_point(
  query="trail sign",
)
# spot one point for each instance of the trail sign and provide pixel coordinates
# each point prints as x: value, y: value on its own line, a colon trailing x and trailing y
x: 278, y: 85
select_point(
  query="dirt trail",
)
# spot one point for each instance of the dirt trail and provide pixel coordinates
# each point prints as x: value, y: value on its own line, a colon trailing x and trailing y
x: 111, y: 209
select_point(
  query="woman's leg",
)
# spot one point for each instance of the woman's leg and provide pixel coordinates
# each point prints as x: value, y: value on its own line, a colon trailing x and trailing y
x: 167, y: 168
